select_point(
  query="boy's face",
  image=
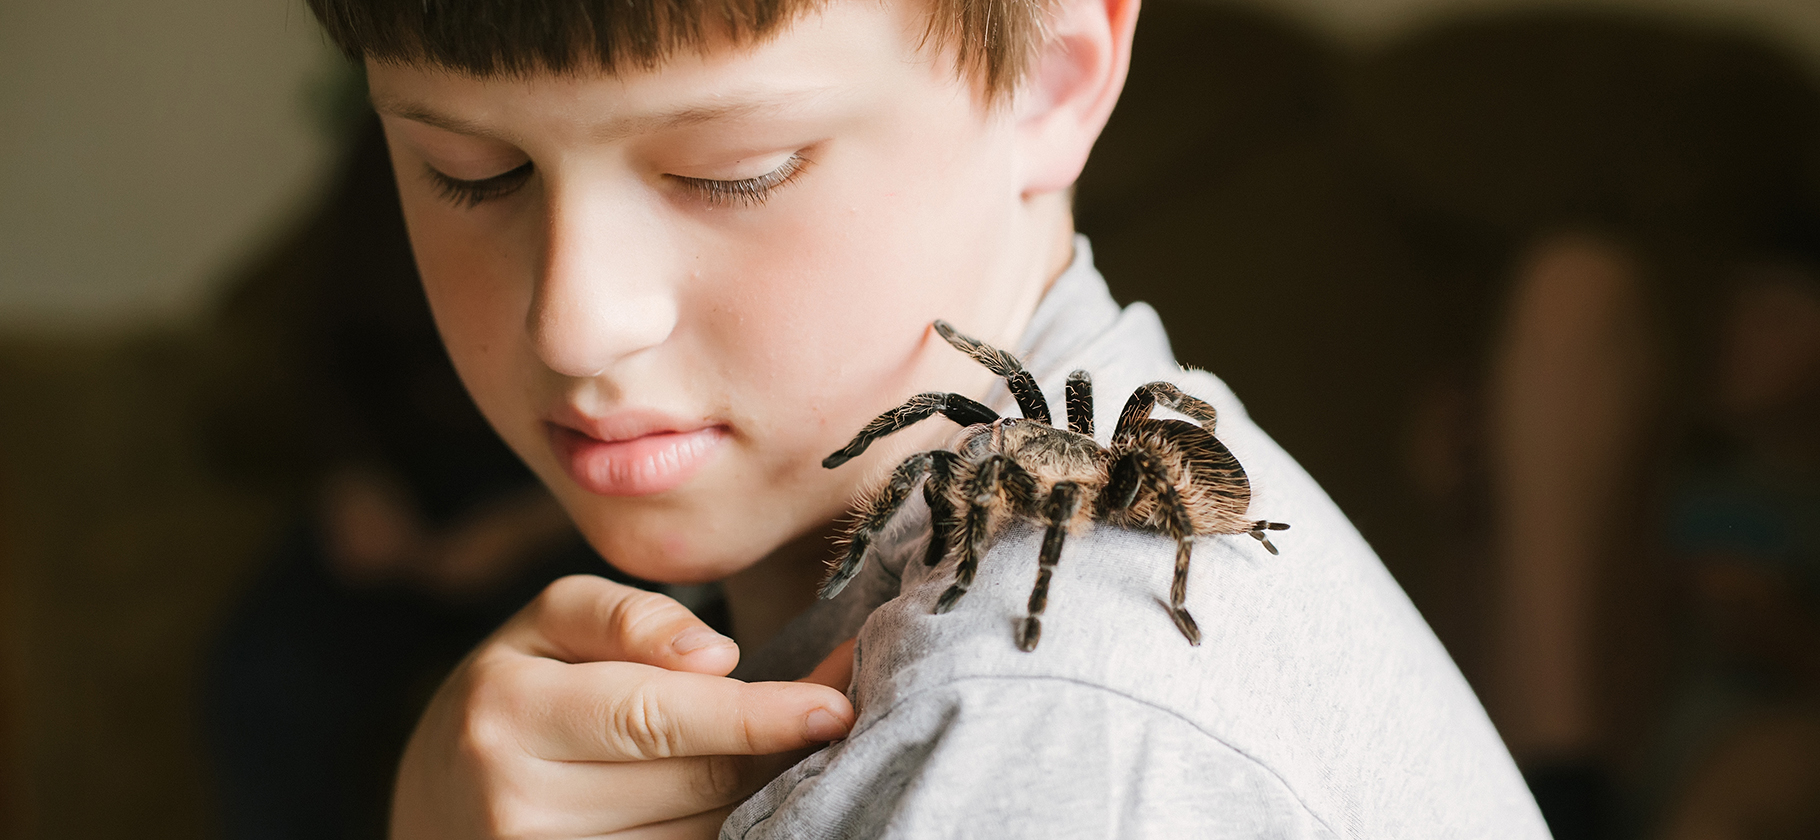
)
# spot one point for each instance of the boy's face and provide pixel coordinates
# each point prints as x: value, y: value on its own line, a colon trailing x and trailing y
x: 674, y: 291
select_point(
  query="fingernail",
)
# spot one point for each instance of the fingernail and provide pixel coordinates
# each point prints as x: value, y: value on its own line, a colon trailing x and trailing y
x: 822, y: 725
x: 697, y: 639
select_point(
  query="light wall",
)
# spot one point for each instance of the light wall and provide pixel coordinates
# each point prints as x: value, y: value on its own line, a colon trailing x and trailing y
x: 145, y: 147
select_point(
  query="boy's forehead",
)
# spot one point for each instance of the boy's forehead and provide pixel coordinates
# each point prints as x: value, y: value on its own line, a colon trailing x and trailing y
x: 444, y: 108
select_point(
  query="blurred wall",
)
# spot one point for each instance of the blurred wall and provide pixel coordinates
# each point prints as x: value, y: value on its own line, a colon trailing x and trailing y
x: 145, y: 146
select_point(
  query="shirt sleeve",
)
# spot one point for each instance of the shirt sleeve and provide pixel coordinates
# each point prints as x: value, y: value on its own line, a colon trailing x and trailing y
x: 1025, y: 758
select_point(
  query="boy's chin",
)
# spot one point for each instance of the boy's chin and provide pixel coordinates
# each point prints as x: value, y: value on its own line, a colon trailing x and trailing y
x: 677, y: 557
x: 703, y: 536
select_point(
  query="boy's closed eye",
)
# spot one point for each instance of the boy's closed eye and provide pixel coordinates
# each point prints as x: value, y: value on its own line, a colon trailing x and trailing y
x: 470, y: 193
x: 746, y: 191
x: 755, y: 190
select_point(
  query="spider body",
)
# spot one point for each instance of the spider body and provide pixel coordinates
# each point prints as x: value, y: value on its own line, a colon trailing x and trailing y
x: 1154, y: 474
x: 1048, y: 453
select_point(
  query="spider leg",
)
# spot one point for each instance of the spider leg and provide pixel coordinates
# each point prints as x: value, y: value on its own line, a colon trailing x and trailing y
x: 1259, y: 527
x: 1023, y: 386
x: 1123, y: 481
x: 1138, y: 407
x: 973, y: 535
x: 991, y: 475
x: 873, y: 518
x: 1177, y: 524
x: 1080, y: 403
x: 941, y: 509
x: 1063, y: 503
x: 919, y: 408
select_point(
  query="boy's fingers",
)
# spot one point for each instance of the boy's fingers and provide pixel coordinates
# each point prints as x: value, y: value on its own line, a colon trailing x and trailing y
x: 625, y: 711
x: 583, y: 618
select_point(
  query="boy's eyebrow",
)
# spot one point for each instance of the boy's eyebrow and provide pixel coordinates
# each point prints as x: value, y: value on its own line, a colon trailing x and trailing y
x: 419, y: 113
x: 614, y: 130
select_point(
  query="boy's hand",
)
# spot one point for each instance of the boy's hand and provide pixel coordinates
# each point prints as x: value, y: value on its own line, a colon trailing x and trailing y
x: 598, y: 710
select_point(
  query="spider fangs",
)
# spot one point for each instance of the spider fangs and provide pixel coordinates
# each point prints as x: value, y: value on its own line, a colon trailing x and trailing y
x: 1156, y: 474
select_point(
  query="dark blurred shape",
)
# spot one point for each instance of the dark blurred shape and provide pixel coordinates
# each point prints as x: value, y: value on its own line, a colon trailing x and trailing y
x: 1762, y: 781
x: 12, y: 816
x: 1213, y: 86
x: 1575, y: 798
x: 1741, y: 744
x: 1571, y: 400
x: 1658, y: 130
x: 316, y: 686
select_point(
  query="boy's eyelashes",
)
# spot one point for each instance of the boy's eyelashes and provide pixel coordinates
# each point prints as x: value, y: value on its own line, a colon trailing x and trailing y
x: 468, y: 194
x: 746, y: 191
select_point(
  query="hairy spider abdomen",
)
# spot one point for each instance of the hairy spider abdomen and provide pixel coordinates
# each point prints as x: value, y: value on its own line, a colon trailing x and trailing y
x: 1208, y: 480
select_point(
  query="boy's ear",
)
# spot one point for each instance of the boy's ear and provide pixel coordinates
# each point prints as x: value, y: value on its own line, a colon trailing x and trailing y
x: 1074, y: 81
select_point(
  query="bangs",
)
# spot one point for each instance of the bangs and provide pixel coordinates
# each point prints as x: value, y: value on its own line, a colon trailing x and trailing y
x: 493, y: 38
x: 992, y: 39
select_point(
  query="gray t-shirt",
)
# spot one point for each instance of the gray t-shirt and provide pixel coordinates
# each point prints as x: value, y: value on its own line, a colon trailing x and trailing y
x: 1318, y: 705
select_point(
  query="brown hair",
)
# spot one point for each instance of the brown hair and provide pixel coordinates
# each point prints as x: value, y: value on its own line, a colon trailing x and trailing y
x: 992, y: 40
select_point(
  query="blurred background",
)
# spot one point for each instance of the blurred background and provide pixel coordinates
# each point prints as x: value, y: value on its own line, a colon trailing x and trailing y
x: 1533, y: 288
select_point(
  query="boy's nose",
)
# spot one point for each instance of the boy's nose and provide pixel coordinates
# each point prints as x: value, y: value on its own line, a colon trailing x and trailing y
x: 603, y: 290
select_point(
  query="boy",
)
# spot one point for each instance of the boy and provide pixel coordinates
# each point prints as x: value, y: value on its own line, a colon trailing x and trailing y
x: 679, y: 252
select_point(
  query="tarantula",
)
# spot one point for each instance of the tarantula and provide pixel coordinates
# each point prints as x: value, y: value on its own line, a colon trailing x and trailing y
x: 1156, y: 474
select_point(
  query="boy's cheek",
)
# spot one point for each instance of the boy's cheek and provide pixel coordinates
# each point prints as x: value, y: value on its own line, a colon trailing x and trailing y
x: 479, y: 316
x: 469, y: 274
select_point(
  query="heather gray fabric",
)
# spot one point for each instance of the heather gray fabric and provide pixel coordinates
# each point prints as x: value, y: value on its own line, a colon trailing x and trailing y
x: 1319, y: 704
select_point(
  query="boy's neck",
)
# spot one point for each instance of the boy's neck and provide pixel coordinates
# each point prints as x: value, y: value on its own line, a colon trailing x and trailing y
x: 1056, y: 214
x: 764, y: 597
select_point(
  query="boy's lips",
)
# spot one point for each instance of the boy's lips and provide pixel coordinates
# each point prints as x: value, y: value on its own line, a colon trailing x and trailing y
x: 631, y: 453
